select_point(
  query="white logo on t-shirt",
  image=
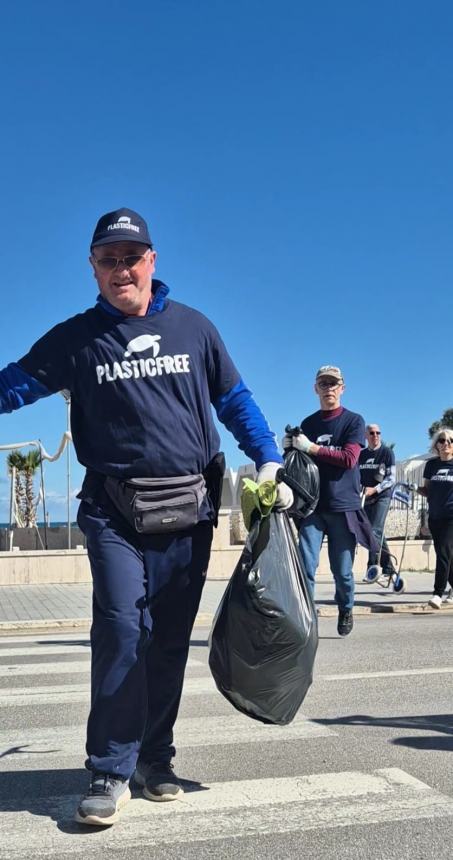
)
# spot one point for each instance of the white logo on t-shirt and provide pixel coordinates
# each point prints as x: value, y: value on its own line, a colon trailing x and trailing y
x: 324, y: 440
x: 443, y: 475
x: 142, y: 342
x: 139, y: 368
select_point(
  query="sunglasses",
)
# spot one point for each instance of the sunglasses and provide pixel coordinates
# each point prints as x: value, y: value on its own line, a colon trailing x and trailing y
x: 324, y: 384
x: 374, y: 432
x: 444, y: 442
x: 109, y: 264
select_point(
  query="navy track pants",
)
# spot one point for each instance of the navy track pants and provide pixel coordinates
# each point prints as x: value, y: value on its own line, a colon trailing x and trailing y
x: 146, y: 593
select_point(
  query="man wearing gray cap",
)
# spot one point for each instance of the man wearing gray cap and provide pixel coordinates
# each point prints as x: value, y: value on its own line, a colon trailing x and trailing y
x: 143, y: 372
x: 334, y: 437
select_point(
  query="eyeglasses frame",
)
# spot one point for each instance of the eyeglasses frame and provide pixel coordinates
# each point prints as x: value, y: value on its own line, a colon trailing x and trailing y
x: 98, y: 261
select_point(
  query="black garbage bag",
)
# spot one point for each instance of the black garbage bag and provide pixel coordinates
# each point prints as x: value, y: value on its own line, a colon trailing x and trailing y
x: 265, y: 634
x: 302, y: 474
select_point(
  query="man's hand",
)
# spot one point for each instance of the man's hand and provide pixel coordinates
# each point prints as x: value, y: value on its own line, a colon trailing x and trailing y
x: 285, y: 496
x: 370, y: 491
x: 300, y: 442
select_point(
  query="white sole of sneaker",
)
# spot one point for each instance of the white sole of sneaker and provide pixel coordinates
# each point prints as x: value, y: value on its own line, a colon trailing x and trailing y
x: 434, y: 605
x: 162, y: 798
x: 97, y: 821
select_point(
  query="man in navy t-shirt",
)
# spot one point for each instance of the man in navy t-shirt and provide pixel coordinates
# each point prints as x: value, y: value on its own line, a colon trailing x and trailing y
x: 143, y: 372
x: 377, y: 476
x: 334, y: 436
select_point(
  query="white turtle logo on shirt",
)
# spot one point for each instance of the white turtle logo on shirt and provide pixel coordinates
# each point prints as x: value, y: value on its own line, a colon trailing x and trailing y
x: 142, y: 343
x: 151, y: 365
x: 324, y: 440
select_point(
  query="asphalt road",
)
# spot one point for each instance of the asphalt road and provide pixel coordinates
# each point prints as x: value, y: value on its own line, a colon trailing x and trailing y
x: 364, y: 771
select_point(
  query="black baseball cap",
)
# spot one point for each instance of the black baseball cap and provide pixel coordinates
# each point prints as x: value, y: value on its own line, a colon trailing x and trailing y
x: 121, y: 225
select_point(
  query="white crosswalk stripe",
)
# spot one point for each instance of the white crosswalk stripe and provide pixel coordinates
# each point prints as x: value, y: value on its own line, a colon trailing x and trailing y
x: 64, y: 693
x: 11, y: 670
x: 54, y: 667
x: 230, y: 809
x: 189, y: 732
x: 36, y: 649
x: 211, y: 811
x: 60, y: 667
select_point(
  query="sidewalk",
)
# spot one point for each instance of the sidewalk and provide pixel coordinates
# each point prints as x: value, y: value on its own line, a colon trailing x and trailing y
x: 31, y: 608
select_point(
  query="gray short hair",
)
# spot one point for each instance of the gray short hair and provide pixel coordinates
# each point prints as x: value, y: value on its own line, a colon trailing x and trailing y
x: 442, y: 431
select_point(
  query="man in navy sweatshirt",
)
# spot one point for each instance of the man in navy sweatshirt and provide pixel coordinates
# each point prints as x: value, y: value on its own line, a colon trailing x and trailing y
x: 334, y: 436
x: 143, y: 372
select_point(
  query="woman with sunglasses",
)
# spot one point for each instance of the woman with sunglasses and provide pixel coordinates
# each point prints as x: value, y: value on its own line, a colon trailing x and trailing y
x: 438, y: 489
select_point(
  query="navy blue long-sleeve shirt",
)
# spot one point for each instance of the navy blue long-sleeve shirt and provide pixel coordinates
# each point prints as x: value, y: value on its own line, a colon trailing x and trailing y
x: 141, y: 390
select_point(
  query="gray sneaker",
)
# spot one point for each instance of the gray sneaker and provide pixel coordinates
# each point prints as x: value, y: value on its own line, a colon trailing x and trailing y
x: 101, y: 804
x: 158, y: 780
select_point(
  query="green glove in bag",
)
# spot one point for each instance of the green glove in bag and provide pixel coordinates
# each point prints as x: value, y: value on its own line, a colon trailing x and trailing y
x: 257, y: 497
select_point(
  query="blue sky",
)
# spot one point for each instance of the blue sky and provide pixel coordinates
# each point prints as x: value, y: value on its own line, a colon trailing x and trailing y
x: 294, y: 163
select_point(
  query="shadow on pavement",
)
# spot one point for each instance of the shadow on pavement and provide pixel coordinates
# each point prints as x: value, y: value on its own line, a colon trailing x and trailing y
x: 442, y: 723
x: 434, y: 742
x: 386, y: 598
x: 23, y: 748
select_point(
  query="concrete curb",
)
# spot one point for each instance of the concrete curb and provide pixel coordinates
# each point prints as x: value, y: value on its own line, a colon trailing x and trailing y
x: 44, y: 625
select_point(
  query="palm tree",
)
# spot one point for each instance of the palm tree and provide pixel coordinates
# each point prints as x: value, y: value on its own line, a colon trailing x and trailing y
x: 25, y: 502
x: 445, y: 421
x: 32, y: 461
x: 15, y: 462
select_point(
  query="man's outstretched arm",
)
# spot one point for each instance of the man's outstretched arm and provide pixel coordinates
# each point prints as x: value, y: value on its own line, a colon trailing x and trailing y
x: 18, y: 388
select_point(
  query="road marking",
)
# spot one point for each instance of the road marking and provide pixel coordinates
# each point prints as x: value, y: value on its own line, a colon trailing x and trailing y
x: 25, y: 743
x: 59, y: 667
x: 398, y: 673
x: 33, y: 649
x: 225, y: 810
x: 65, y: 693
x: 50, y: 668
x: 61, y: 694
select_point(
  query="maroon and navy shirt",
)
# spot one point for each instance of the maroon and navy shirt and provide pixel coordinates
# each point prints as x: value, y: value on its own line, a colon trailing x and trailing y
x: 341, y: 433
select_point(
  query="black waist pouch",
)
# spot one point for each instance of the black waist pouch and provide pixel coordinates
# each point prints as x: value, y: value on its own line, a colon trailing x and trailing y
x: 158, y: 505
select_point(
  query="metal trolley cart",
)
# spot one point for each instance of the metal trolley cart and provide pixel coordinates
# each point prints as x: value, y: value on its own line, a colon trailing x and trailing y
x: 401, y: 492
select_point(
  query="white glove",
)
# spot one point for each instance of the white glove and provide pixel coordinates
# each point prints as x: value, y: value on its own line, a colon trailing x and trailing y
x: 285, y: 496
x: 300, y: 442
